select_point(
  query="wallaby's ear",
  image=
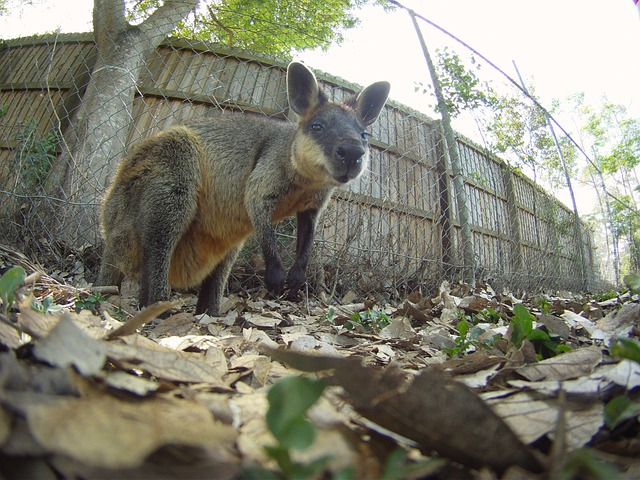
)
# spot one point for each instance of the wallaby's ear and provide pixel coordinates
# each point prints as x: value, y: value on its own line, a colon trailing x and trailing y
x: 370, y: 101
x: 302, y: 88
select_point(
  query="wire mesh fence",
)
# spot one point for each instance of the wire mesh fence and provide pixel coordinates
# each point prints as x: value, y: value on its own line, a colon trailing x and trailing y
x: 396, y: 229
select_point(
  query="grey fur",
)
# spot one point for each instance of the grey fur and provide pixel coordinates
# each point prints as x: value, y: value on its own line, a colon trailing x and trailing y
x: 183, y: 202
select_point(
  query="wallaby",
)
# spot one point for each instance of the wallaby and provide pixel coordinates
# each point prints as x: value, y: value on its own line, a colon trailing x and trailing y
x: 183, y: 202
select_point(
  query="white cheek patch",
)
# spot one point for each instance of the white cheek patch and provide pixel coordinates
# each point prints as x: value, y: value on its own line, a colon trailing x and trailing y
x: 309, y: 160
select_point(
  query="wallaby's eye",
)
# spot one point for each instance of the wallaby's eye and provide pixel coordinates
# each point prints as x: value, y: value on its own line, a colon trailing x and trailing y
x: 365, y: 135
x: 317, y: 127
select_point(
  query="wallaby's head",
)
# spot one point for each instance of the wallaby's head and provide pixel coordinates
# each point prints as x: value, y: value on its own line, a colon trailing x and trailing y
x: 330, y: 145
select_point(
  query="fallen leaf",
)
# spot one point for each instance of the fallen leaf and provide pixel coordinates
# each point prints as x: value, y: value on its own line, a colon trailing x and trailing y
x: 309, y: 344
x: 568, y: 365
x: 67, y: 345
x: 146, y: 315
x: 109, y: 433
x: 426, y: 408
x: 619, y: 322
x: 258, y: 337
x: 11, y: 337
x: 169, y: 365
x: 130, y: 383
x: 399, y: 328
x: 626, y: 374
x: 531, y: 416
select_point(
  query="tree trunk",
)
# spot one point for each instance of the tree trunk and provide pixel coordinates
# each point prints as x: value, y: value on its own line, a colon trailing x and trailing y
x: 96, y: 139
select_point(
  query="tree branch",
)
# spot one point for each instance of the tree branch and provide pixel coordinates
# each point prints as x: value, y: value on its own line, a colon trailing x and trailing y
x: 161, y: 22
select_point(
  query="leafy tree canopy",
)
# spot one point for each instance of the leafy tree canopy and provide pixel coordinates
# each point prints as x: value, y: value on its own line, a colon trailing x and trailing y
x: 273, y: 27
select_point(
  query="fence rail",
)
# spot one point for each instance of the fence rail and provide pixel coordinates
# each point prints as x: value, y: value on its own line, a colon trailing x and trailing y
x: 394, y: 229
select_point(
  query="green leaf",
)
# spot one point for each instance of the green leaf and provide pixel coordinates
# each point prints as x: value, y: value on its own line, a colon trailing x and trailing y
x: 620, y: 409
x: 463, y: 327
x: 397, y: 466
x: 537, y: 334
x: 9, y: 282
x: 299, y: 433
x: 289, y: 399
x: 626, y: 348
x: 521, y: 325
x: 632, y: 281
x: 587, y: 463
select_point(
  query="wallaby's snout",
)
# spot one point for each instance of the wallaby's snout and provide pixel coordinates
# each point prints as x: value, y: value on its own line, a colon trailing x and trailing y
x: 350, y: 160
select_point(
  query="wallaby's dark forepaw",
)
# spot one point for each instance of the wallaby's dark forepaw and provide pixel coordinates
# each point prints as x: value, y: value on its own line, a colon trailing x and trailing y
x: 275, y: 281
x: 295, y: 280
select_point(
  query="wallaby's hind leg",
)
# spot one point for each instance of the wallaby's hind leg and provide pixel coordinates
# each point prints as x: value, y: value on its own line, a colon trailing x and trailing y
x: 109, y: 274
x: 212, y: 288
x: 173, y: 206
x: 167, y: 208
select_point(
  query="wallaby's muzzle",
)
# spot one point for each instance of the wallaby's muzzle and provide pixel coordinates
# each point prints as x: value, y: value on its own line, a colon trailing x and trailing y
x: 349, y: 161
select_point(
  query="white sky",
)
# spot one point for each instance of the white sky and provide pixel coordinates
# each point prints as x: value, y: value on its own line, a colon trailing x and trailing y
x: 564, y: 46
x: 561, y: 46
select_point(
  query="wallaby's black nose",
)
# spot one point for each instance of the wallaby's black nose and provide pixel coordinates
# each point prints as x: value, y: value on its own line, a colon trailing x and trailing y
x: 349, y: 153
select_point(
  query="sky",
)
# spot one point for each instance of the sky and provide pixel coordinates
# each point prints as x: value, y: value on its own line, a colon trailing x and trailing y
x: 560, y: 46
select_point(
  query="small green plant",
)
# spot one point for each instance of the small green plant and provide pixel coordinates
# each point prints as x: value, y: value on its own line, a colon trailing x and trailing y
x: 469, y: 337
x: 120, y: 314
x: 289, y: 399
x: 9, y: 283
x: 371, y: 320
x: 632, y: 281
x: 546, y: 345
x: 544, y: 305
x: 4, y: 108
x: 604, y: 296
x: 45, y: 305
x: 35, y: 154
x: 626, y: 348
x: 397, y: 466
x: 587, y: 463
x: 490, y: 315
x: 330, y: 314
x: 620, y: 409
x: 462, y: 340
x: 89, y: 301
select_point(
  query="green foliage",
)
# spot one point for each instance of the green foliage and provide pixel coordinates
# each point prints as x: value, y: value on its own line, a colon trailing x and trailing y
x: 632, y: 281
x: 90, y: 301
x: 271, y: 27
x: 604, y: 296
x: 4, y: 108
x: 370, y: 321
x: 289, y: 399
x: 587, y: 463
x: 10, y: 281
x: 620, y: 409
x: 45, y: 305
x: 469, y: 334
x: 626, y: 348
x: 490, y: 315
x: 34, y: 155
x: 397, y: 466
x: 330, y: 314
x: 544, y: 305
x: 521, y: 325
x: 546, y: 345
x: 460, y: 85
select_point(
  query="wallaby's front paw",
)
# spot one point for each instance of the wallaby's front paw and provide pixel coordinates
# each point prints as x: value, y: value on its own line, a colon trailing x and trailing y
x: 296, y: 279
x: 275, y: 280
